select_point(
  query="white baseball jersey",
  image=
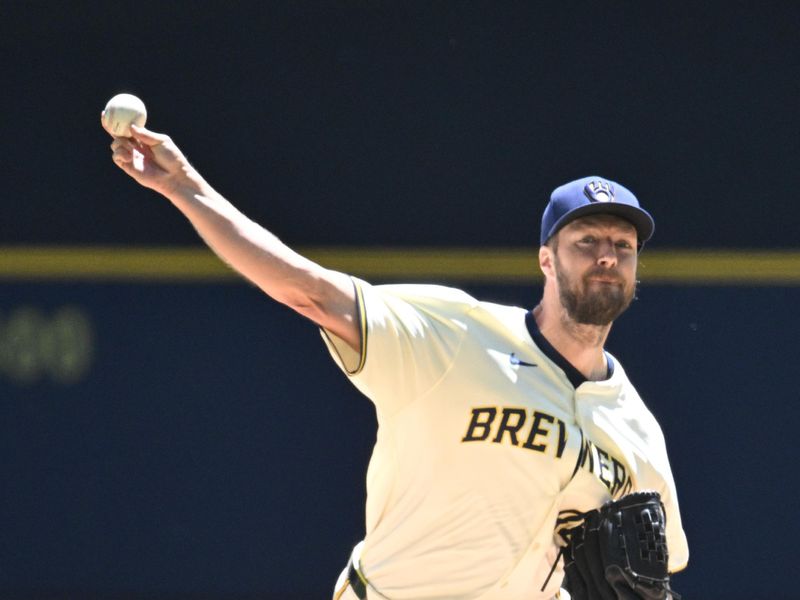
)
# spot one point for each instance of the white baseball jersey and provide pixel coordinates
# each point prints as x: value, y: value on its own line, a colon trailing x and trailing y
x: 488, y: 441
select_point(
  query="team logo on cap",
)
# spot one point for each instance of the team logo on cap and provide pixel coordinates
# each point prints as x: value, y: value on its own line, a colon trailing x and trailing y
x: 599, y: 191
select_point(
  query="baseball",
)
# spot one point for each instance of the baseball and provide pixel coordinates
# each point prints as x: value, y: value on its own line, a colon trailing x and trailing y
x: 120, y: 112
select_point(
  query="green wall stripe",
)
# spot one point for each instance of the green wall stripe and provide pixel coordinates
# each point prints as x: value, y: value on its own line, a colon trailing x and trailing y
x: 476, y: 265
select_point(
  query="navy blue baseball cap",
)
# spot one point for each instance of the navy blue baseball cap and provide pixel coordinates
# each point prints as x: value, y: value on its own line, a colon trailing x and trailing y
x: 591, y: 196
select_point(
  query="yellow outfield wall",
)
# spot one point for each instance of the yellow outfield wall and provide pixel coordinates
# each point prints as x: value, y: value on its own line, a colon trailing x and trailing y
x: 474, y: 265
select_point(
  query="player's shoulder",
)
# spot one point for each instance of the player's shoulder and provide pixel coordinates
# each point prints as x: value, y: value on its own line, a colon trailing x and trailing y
x: 433, y: 295
x: 620, y: 379
x: 628, y: 393
x: 424, y: 294
x: 499, y: 312
x: 449, y: 303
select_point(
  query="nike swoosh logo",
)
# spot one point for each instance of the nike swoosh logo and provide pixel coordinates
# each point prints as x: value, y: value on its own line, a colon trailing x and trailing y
x: 516, y: 361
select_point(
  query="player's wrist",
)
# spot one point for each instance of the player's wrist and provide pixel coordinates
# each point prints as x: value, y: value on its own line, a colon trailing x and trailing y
x: 185, y: 183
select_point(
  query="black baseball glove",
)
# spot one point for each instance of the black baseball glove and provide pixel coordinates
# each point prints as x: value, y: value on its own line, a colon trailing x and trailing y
x: 620, y: 552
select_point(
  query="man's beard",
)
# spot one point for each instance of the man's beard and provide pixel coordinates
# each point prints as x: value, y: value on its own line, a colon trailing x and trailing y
x: 596, y: 307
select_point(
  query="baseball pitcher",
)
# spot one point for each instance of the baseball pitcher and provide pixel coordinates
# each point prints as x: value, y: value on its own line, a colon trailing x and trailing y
x: 514, y: 459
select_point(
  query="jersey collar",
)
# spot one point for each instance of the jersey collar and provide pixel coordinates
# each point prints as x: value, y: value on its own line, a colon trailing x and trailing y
x: 576, y: 378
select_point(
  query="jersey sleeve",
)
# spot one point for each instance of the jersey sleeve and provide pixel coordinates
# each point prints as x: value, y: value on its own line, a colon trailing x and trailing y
x: 656, y: 474
x: 676, y: 537
x: 410, y: 335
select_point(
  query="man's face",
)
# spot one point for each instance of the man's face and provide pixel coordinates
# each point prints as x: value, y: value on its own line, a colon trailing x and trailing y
x: 594, y: 258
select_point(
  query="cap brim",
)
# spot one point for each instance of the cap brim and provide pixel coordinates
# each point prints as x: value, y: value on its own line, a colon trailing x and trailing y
x: 638, y: 217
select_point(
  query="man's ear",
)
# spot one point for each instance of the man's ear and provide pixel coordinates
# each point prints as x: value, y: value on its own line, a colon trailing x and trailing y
x: 546, y: 261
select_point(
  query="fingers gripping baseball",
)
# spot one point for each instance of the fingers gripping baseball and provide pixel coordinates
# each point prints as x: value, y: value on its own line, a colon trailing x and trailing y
x: 152, y: 159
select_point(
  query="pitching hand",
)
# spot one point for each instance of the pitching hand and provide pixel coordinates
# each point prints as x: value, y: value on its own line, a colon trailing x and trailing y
x: 152, y: 159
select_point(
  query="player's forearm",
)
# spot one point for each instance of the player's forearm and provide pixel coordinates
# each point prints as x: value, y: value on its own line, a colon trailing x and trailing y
x: 324, y: 296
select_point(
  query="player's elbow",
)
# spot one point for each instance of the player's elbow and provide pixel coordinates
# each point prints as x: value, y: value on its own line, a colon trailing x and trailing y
x: 331, y: 303
x: 311, y: 306
x: 320, y: 298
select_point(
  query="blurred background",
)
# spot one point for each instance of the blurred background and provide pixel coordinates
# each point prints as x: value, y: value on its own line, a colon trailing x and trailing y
x: 169, y: 432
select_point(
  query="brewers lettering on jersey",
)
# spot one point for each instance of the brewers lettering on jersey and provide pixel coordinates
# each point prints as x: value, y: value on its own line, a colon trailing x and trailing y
x: 498, y: 426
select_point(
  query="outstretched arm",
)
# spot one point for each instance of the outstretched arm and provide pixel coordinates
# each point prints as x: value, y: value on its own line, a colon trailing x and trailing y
x: 324, y: 296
